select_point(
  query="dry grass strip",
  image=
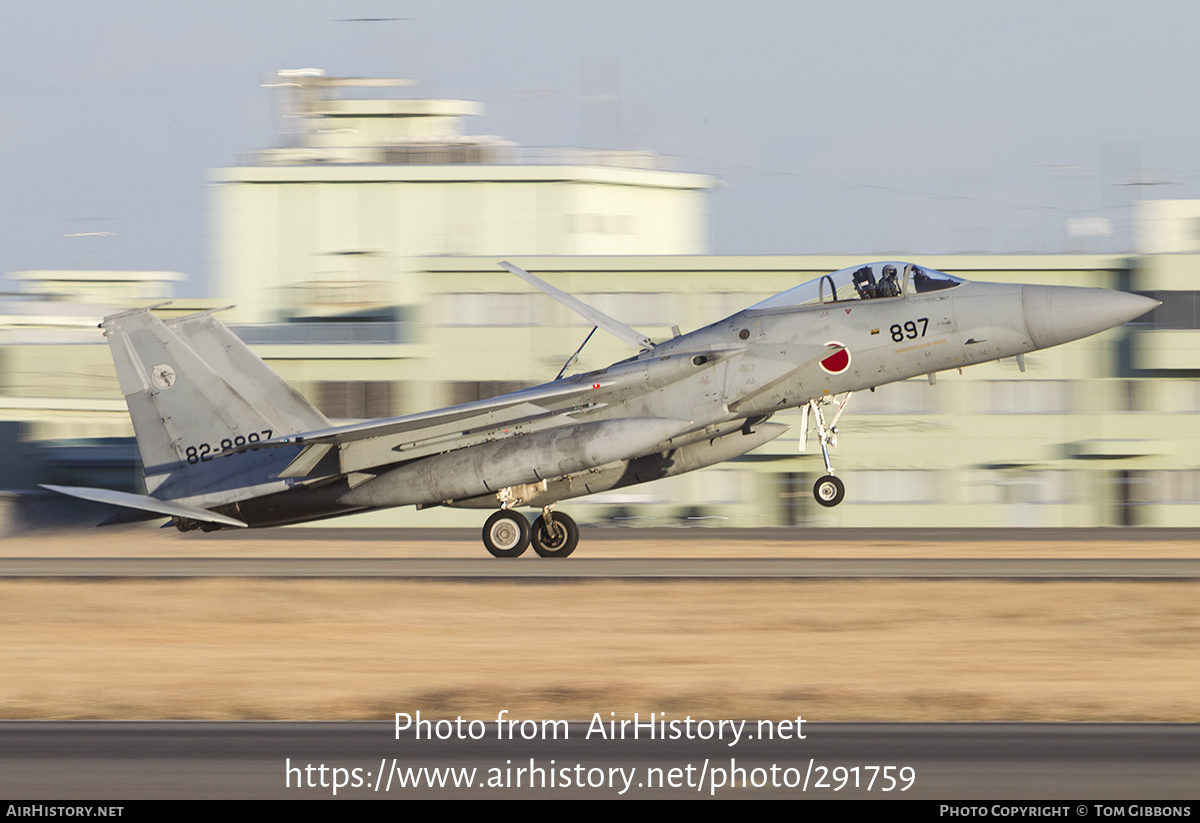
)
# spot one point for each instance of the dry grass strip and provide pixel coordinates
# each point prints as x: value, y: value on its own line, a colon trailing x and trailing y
x: 827, y: 650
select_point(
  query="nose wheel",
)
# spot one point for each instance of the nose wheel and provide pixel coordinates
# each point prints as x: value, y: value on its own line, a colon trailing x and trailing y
x: 829, y: 491
x: 506, y: 534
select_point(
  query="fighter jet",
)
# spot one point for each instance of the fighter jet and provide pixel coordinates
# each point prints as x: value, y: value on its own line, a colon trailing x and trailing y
x: 226, y: 443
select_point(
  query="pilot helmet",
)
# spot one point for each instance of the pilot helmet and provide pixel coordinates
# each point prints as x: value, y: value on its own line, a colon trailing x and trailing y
x: 889, y: 271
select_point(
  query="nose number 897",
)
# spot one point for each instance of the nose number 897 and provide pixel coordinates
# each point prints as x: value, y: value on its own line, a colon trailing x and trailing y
x: 910, y: 330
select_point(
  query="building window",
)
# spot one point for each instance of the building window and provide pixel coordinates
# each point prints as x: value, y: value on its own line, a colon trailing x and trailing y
x: 903, y: 486
x: 489, y: 309
x: 633, y: 308
x: 601, y: 224
x: 906, y: 397
x: 1020, y: 486
x: 1028, y: 397
x: 469, y: 391
x: 714, y: 305
x: 1179, y: 310
x: 1169, y: 486
x: 355, y: 400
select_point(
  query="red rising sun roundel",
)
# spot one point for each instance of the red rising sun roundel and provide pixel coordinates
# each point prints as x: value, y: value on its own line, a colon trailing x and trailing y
x: 837, y: 362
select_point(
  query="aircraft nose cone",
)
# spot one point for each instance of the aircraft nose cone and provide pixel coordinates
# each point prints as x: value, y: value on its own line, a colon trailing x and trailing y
x: 1058, y: 314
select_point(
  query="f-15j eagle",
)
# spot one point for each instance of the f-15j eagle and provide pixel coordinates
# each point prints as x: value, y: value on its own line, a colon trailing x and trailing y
x: 226, y: 442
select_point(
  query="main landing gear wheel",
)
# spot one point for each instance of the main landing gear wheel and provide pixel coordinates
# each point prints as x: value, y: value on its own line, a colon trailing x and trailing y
x: 829, y: 491
x: 506, y: 534
x: 555, y: 535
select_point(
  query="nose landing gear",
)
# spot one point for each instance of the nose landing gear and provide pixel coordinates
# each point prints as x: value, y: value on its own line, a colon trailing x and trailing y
x: 828, y: 490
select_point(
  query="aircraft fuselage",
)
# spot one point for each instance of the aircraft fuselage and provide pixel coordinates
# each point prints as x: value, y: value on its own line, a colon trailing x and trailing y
x: 226, y: 442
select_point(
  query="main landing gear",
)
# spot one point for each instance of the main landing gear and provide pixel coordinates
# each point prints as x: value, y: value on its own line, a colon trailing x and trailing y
x: 828, y: 490
x: 507, y: 534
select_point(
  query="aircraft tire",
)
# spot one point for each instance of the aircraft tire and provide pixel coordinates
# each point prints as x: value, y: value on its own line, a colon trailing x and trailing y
x: 557, y: 539
x: 506, y: 534
x: 829, y: 491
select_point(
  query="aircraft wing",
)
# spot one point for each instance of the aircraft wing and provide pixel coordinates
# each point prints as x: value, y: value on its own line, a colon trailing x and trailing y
x: 543, y: 398
x: 372, y: 443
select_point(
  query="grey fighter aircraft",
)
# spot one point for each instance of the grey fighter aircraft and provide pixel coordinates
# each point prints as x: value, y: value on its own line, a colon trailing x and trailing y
x: 225, y: 442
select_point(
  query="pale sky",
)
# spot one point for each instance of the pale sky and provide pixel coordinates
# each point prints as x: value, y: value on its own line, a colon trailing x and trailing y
x: 861, y: 127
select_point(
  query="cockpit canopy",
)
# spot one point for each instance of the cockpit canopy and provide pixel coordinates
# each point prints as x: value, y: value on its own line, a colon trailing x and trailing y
x: 874, y: 281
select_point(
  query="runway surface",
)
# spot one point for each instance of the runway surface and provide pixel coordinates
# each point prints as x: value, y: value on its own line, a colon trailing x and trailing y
x: 802, y: 534
x: 607, y: 568
x: 994, y: 761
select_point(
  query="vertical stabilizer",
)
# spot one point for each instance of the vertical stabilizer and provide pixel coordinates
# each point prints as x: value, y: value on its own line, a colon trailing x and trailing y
x: 247, y: 374
x: 185, y: 414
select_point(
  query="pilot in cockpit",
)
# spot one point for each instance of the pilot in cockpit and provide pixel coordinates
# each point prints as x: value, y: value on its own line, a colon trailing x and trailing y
x: 888, y: 286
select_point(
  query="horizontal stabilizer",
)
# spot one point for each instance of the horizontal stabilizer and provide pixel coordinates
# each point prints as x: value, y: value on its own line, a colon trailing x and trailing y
x: 145, y: 503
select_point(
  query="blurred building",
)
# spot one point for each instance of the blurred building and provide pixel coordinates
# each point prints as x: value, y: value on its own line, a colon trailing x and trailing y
x: 362, y: 253
x: 327, y: 223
